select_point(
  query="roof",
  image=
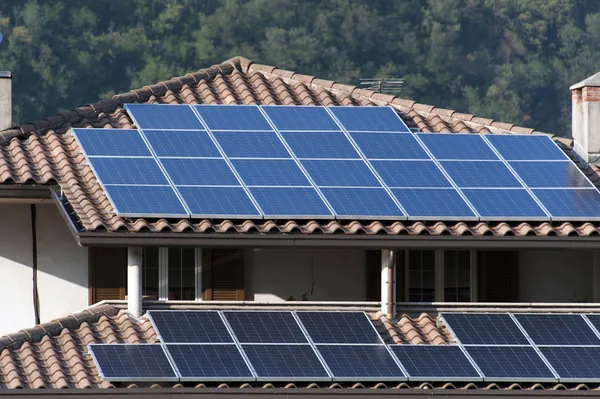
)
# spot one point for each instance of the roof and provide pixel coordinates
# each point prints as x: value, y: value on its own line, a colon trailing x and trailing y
x: 54, y: 355
x: 44, y: 152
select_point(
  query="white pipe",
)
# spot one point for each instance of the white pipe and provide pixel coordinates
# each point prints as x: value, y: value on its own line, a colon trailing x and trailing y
x: 134, y: 281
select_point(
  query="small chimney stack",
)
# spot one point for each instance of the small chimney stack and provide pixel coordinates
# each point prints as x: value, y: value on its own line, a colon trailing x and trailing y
x: 585, y: 101
x: 5, y: 100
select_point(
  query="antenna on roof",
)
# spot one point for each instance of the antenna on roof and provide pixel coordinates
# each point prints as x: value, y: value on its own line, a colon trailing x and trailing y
x: 383, y: 85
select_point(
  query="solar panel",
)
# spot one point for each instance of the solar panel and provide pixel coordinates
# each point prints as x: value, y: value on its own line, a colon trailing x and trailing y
x: 137, y: 362
x: 551, y: 174
x: 320, y: 145
x: 574, y: 364
x: 209, y: 362
x: 251, y: 144
x: 458, y: 146
x: 510, y: 363
x: 411, y: 174
x: 558, y: 329
x: 138, y: 201
x: 595, y: 320
x: 339, y: 327
x: 198, y: 326
x: 341, y: 173
x: 485, y: 329
x: 182, y: 143
x: 526, y: 147
x: 265, y: 327
x: 482, y: 174
x: 362, y: 203
x: 501, y: 204
x: 163, y: 116
x: 296, y: 118
x: 291, y: 202
x: 369, y: 119
x: 389, y: 146
x: 199, y: 172
x: 111, y: 142
x: 233, y: 117
x: 141, y: 171
x: 285, y: 363
x: 270, y: 172
x: 573, y: 204
x: 361, y: 363
x: 435, y: 363
x: 219, y: 202
x: 426, y: 203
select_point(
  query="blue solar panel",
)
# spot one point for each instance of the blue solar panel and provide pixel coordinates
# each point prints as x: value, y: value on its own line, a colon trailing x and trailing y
x: 558, y: 329
x: 160, y: 201
x: 571, y: 203
x: 480, y: 174
x: 361, y: 363
x: 233, y: 117
x: 574, y: 364
x: 435, y: 363
x: 209, y: 362
x: 485, y: 329
x: 285, y: 363
x: 369, y: 119
x: 162, y: 116
x: 300, y: 118
x: 219, y: 202
x: 389, y: 146
x: 142, y: 171
x: 362, y: 203
x: 458, y: 146
x: 550, y: 174
x: 320, y: 145
x: 270, y: 172
x: 198, y: 326
x: 199, y: 172
x: 595, y: 320
x: 429, y: 203
x: 341, y: 173
x: 265, y: 327
x: 526, y: 148
x: 510, y: 363
x: 504, y: 204
x: 339, y: 327
x: 182, y: 143
x: 288, y: 201
x: 411, y: 174
x: 111, y: 142
x: 137, y: 362
x: 251, y: 145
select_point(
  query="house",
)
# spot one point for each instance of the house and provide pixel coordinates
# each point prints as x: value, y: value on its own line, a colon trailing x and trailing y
x: 75, y: 273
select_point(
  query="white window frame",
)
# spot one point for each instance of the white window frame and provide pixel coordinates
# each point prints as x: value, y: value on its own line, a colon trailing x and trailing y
x: 439, y: 275
x: 163, y: 274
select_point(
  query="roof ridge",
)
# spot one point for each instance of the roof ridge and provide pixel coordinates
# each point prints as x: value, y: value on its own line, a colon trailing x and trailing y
x: 135, y: 95
x: 54, y: 327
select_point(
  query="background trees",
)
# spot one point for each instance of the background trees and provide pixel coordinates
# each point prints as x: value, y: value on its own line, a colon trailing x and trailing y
x: 511, y: 60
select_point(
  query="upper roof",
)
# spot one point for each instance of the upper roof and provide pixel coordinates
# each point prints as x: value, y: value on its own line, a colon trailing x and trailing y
x: 44, y: 152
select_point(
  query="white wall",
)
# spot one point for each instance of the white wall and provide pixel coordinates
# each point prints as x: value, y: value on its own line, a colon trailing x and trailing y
x: 62, y: 267
x: 273, y: 275
x: 555, y: 276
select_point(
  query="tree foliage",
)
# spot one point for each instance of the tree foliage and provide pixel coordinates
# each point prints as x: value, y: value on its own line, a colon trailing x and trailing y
x: 510, y: 60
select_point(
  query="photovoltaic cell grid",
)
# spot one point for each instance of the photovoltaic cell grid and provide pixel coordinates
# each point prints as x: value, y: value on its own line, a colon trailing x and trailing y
x: 435, y: 363
x: 327, y: 162
x: 209, y: 362
x: 558, y: 329
x: 484, y: 328
x: 190, y: 326
x: 339, y: 328
x: 361, y: 363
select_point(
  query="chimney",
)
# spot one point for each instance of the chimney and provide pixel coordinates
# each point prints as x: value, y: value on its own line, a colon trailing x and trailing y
x: 585, y: 97
x: 5, y: 100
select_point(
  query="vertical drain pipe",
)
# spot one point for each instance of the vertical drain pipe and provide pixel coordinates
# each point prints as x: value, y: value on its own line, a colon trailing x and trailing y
x: 34, y: 252
x: 388, y: 283
x: 134, y: 281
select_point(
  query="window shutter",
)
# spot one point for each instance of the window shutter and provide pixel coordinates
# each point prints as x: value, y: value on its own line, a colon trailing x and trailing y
x: 224, y: 275
x: 374, y: 275
x: 499, y: 276
x: 109, y: 274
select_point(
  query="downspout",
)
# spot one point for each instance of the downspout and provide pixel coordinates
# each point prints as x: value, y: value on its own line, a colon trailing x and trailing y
x: 34, y: 252
x: 391, y: 301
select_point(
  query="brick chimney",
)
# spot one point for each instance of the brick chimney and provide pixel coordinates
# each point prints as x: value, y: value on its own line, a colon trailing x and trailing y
x: 5, y: 100
x: 586, y: 118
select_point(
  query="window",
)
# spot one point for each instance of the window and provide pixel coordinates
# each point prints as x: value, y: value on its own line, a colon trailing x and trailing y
x: 421, y: 276
x: 182, y: 274
x: 172, y: 273
x: 457, y: 276
x: 150, y: 273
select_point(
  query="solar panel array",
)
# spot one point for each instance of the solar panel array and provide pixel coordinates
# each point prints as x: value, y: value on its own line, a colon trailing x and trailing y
x: 345, y: 346
x: 327, y: 162
x: 530, y: 347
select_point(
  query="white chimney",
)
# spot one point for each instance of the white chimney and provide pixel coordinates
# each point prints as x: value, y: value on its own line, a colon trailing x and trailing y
x: 585, y: 97
x: 5, y: 100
